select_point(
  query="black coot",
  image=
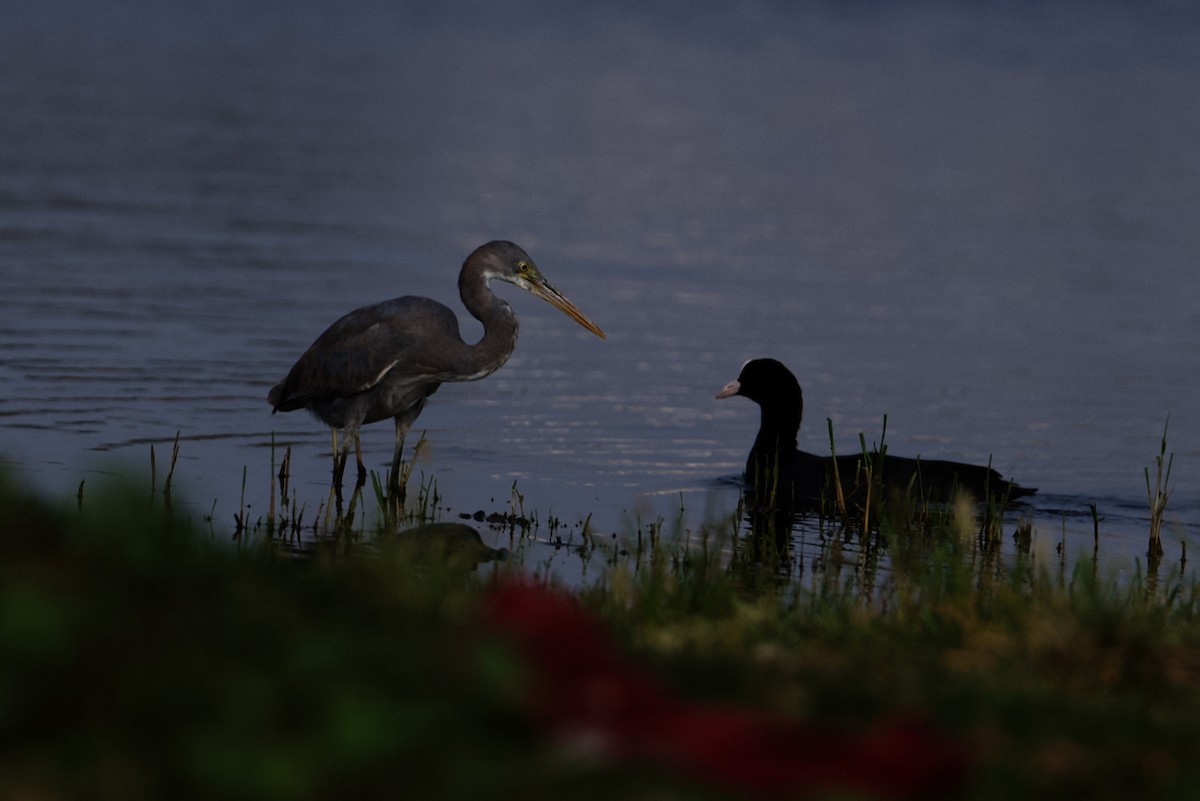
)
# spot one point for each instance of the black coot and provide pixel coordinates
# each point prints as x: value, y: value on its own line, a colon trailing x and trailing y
x: 780, y: 474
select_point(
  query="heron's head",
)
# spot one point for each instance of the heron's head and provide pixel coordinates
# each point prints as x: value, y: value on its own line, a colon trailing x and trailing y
x: 508, y: 262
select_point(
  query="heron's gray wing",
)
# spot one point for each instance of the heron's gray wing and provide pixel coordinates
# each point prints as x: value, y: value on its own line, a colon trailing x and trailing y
x: 417, y: 335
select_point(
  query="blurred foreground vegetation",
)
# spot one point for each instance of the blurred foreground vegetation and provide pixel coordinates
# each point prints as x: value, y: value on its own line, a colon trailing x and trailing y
x: 140, y: 659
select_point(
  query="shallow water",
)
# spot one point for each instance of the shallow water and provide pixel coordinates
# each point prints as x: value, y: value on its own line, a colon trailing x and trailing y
x: 982, y: 224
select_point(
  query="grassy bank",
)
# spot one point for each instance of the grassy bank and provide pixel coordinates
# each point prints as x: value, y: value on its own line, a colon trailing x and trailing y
x: 140, y: 659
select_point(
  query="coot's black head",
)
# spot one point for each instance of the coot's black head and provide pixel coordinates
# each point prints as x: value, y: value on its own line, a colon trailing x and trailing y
x: 777, y: 393
x: 767, y: 383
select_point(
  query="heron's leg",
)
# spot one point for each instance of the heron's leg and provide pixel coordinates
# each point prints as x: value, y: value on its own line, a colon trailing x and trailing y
x: 338, y: 464
x: 394, y: 475
x: 396, y: 478
x: 362, y: 470
x: 340, y: 456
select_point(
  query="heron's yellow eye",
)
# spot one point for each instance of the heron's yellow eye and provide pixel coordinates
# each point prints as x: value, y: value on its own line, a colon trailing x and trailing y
x: 523, y: 267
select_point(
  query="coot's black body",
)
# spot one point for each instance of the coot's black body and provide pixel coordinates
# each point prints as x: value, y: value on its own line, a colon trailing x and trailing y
x: 781, y: 475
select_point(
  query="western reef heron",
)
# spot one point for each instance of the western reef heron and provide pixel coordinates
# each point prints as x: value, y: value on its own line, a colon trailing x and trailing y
x: 386, y: 359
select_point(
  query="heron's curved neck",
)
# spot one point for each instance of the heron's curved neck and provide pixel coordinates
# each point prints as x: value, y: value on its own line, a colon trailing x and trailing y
x: 499, y: 320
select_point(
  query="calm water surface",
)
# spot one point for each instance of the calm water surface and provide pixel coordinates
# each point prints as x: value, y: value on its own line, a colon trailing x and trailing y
x: 985, y: 225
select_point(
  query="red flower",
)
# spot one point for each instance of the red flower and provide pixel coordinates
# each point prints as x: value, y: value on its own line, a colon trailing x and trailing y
x: 594, y: 699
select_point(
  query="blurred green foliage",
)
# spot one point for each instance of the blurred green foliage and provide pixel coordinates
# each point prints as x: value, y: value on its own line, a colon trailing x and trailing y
x: 140, y: 659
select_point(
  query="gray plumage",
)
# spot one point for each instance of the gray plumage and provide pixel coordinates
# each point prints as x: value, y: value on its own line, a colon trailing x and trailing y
x: 386, y: 359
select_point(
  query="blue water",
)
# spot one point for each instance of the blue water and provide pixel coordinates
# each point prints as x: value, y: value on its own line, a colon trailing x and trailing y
x: 981, y: 222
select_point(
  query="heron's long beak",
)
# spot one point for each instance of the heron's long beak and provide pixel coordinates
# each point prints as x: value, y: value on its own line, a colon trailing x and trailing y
x: 559, y: 301
x: 729, y: 390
